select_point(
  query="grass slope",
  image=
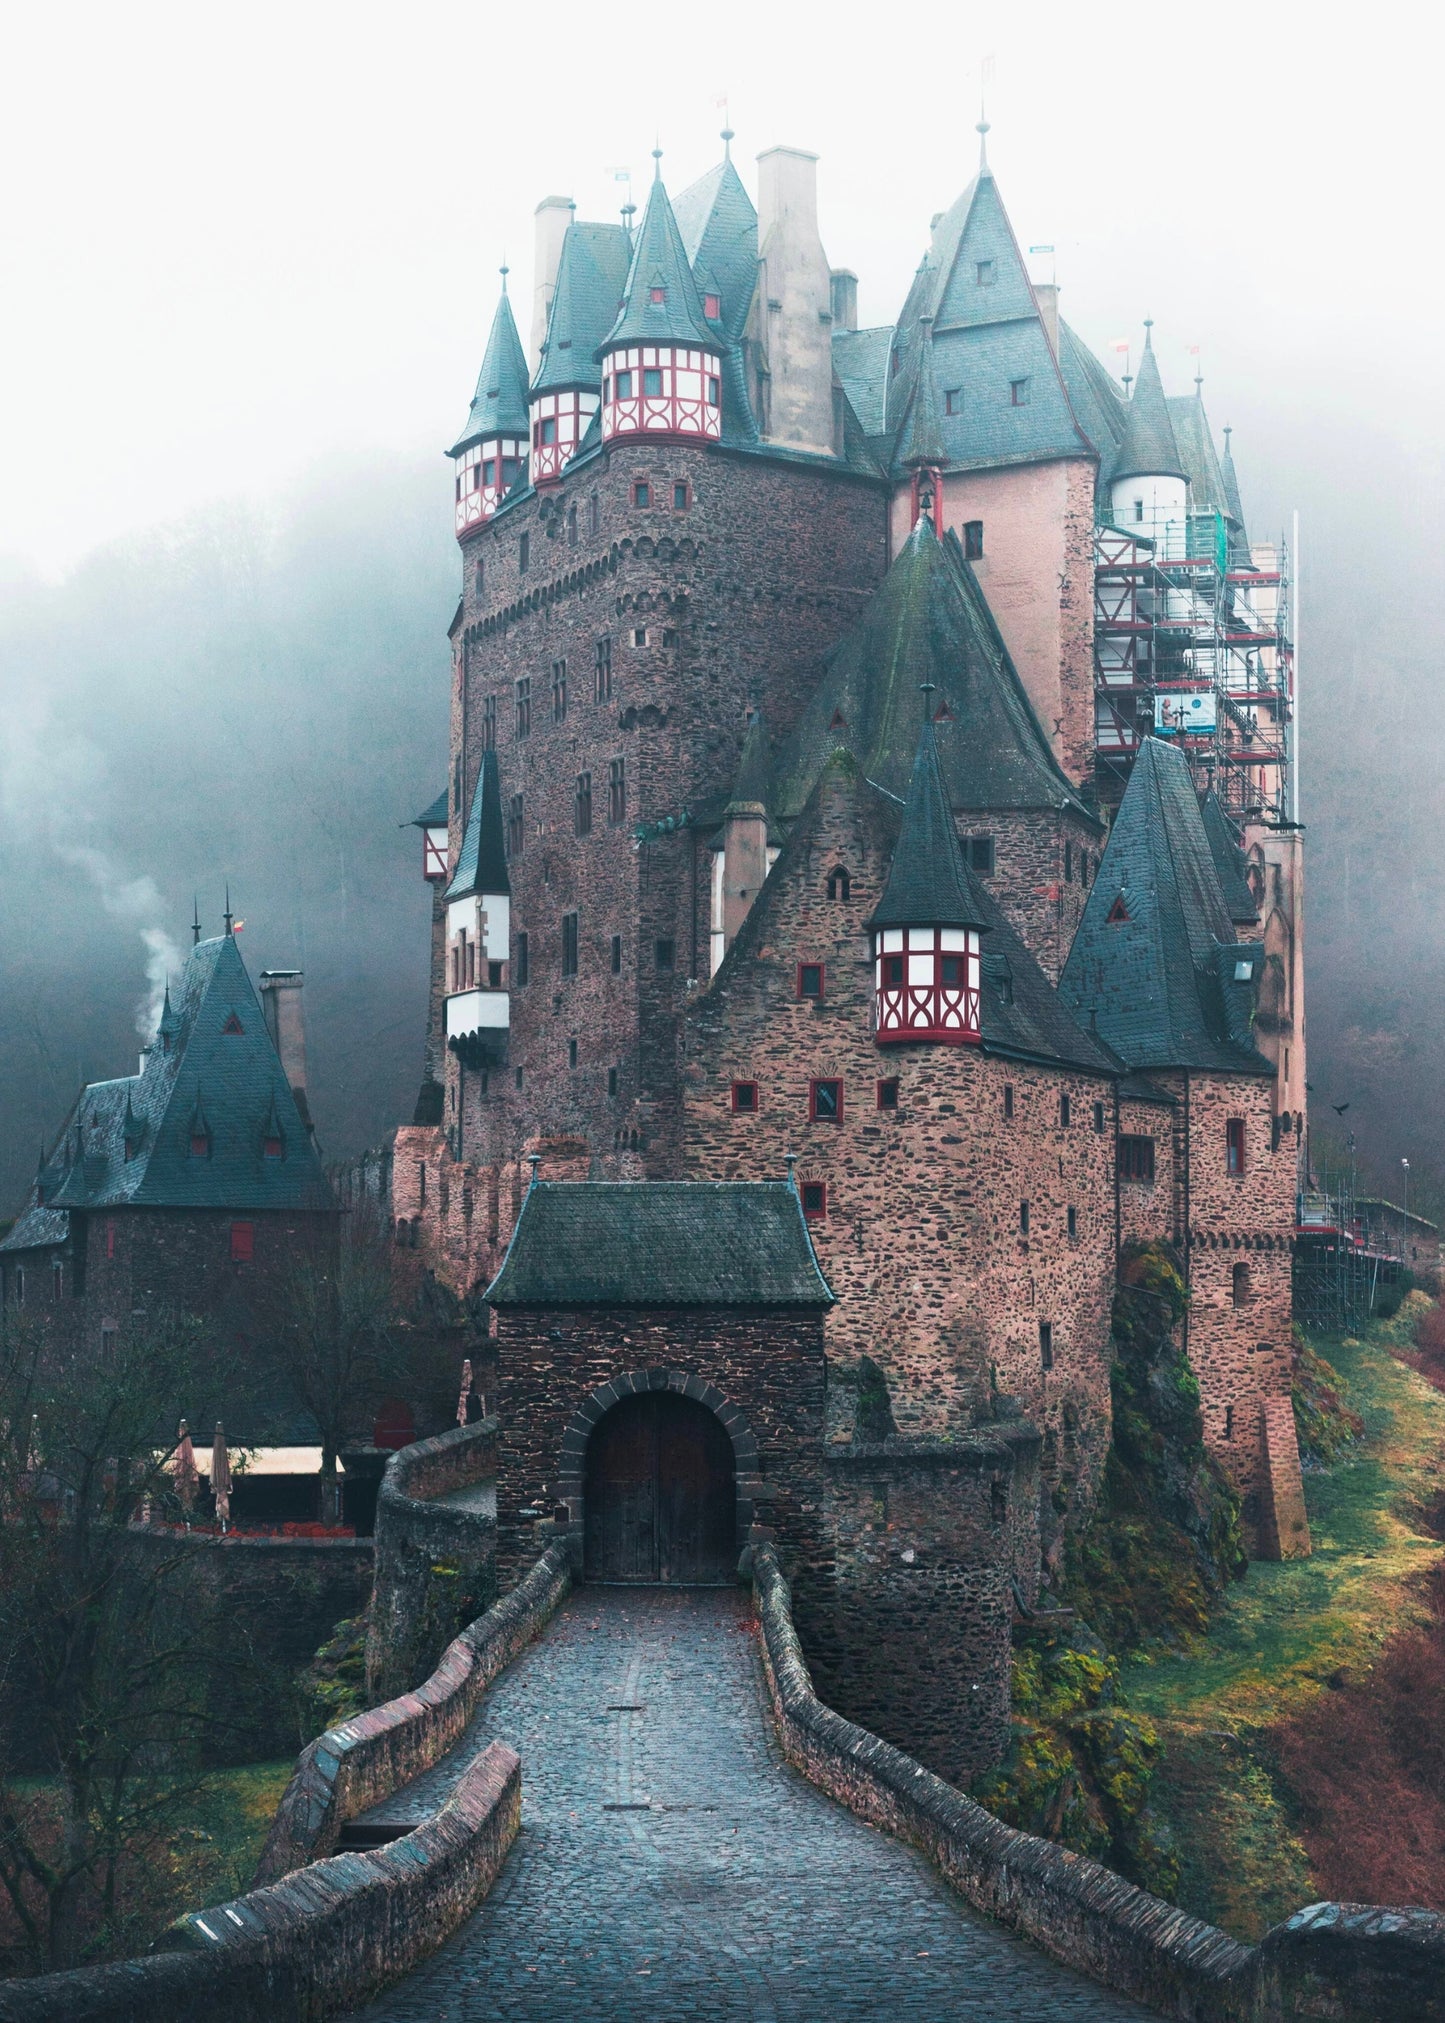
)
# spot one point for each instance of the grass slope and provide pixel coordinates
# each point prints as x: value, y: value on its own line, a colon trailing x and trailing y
x: 1290, y: 1633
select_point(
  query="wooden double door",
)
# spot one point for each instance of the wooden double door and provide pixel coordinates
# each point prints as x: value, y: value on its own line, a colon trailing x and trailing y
x: 661, y: 1500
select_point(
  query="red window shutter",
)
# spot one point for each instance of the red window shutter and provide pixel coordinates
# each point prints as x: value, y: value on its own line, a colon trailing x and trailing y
x: 243, y: 1242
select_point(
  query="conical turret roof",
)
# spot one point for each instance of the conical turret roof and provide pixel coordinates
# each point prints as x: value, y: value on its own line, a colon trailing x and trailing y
x: 482, y: 859
x: 750, y: 784
x: 1149, y: 449
x: 660, y: 303
x: 1228, y: 861
x: 926, y: 622
x: 499, y: 405
x: 1232, y: 503
x: 929, y: 884
x: 920, y: 447
x: 719, y: 228
x: 591, y: 277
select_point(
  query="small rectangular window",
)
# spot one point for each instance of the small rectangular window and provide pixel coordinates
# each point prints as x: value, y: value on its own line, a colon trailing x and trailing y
x: 516, y: 827
x: 983, y: 273
x: 825, y: 1103
x: 810, y: 979
x: 953, y: 400
x: 745, y: 1097
x: 571, y: 526
x: 571, y: 1053
x: 1065, y: 1109
x: 641, y: 493
x: 1073, y: 1221
x: 612, y: 1081
x: 665, y: 953
x: 559, y: 691
x: 110, y: 1239
x: 888, y: 1094
x: 569, y: 944
x: 1023, y: 1218
x: 489, y: 723
x: 547, y: 429
x: 1046, y: 1344
x: 1008, y: 1099
x: 617, y: 955
x: 1068, y: 863
x: 652, y: 382
x: 623, y: 386
x: 582, y: 805
x: 980, y: 855
x: 1234, y: 1145
x: 524, y: 554
x: 714, y: 390
x: 1098, y: 1116
x: 712, y: 307
x: 669, y: 635
x: 1136, y: 1157
x: 594, y: 515
x: 679, y: 495
x: 480, y: 577
x: 520, y: 969
x: 973, y: 540
x: 616, y: 790
x: 815, y: 1199
x: 639, y: 637
x: 603, y: 672
x: 1018, y: 392
x: 243, y: 1242
x: 523, y: 688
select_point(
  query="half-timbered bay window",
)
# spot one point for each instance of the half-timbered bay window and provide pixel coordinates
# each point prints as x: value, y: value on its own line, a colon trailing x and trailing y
x: 661, y: 389
x: 926, y: 984
x: 559, y: 422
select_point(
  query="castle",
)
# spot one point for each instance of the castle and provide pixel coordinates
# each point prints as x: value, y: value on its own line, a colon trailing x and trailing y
x: 870, y: 810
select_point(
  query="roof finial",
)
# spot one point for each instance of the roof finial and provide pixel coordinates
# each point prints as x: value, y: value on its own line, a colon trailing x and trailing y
x: 792, y: 1159
x: 195, y: 919
x: 657, y: 163
x: 228, y: 916
x: 504, y: 270
x: 727, y: 141
x: 1228, y: 432
x: 534, y: 1160
x: 982, y: 130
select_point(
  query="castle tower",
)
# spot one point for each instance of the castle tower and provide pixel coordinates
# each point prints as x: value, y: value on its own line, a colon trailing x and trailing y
x: 591, y: 273
x: 1150, y: 488
x: 488, y: 453
x: 661, y: 361
x: 926, y: 928
x: 478, y: 928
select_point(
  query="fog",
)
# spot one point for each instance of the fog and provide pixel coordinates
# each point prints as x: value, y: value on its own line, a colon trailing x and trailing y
x: 248, y: 265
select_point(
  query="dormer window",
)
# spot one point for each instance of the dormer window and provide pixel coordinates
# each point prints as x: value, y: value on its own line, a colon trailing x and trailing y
x: 926, y: 984
x: 712, y: 307
x: 272, y: 1148
x: 1118, y: 913
x: 983, y: 273
x: 233, y: 1025
x: 200, y: 1145
x: 1243, y: 971
x: 657, y: 294
x: 1018, y: 392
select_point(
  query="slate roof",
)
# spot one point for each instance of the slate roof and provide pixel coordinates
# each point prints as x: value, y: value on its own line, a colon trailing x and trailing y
x: 434, y: 817
x: 1194, y: 440
x: 220, y: 1068
x: 750, y: 785
x: 660, y: 1243
x: 1149, y: 449
x: 920, y: 445
x: 860, y: 361
x: 660, y: 262
x: 482, y: 859
x: 1159, y: 981
x: 929, y: 884
x: 499, y: 405
x: 1239, y: 545
x: 927, y: 621
x: 719, y: 229
x: 1097, y: 400
x: 591, y: 275
x: 1228, y: 861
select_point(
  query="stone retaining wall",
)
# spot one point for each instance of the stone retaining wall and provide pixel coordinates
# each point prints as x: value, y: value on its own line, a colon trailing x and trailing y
x: 436, y: 1561
x: 356, y: 1765
x: 304, y: 1948
x: 1351, y: 1963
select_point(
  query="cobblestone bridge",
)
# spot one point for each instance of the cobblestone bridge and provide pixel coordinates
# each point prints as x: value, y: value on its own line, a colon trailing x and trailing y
x: 671, y: 1865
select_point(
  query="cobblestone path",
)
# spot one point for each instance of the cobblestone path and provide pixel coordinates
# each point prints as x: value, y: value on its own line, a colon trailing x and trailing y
x: 671, y: 1865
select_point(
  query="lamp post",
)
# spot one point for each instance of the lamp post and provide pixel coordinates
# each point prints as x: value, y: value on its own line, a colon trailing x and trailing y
x: 1405, y: 1218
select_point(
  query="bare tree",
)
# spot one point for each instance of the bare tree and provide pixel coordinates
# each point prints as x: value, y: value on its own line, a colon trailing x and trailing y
x: 106, y: 1647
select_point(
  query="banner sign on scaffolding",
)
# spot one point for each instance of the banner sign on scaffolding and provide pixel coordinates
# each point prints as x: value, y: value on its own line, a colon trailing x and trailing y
x: 1190, y: 711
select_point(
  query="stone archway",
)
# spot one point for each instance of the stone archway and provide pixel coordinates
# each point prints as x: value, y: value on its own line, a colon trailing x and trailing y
x: 659, y: 1472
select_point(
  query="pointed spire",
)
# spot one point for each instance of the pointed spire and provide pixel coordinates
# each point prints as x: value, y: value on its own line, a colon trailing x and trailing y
x: 922, y: 444
x: 1231, y: 488
x: 660, y: 303
x: 499, y: 405
x: 195, y: 920
x: 591, y: 275
x: 929, y: 884
x: 1149, y: 449
x: 228, y: 917
x: 482, y: 859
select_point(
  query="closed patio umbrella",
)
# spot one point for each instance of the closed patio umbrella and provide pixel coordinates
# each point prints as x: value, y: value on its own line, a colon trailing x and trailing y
x: 221, y: 1477
x: 183, y: 1470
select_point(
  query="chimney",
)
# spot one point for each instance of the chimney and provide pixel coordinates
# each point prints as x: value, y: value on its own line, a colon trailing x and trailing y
x: 796, y: 302
x: 745, y: 863
x: 554, y: 215
x: 281, y: 1000
x: 1046, y: 295
x: 845, y: 299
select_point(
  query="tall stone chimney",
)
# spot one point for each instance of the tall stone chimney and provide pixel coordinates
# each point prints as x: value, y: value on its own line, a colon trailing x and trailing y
x: 1046, y: 294
x: 796, y: 302
x: 285, y: 1021
x: 845, y: 299
x: 554, y: 215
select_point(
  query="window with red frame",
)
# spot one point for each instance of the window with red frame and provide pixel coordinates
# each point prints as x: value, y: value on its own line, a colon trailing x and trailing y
x: 1234, y: 1145
x: 815, y: 1199
x: 1136, y: 1157
x: 810, y: 979
x: 745, y: 1097
x: 888, y: 1094
x: 825, y: 1102
x: 243, y: 1242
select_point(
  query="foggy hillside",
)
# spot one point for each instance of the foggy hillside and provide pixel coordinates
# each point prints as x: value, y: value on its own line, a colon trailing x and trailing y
x: 265, y: 700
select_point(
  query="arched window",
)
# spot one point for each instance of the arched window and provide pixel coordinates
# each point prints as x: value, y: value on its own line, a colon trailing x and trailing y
x: 839, y: 884
x: 1241, y: 1285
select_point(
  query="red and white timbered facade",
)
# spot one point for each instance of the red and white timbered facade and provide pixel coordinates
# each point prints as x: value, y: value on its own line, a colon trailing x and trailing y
x: 485, y: 474
x: 559, y: 422
x: 926, y: 985
x: 662, y: 390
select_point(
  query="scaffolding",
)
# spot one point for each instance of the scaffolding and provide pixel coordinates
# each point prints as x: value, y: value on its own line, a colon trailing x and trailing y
x: 1192, y: 642
x: 1346, y: 1266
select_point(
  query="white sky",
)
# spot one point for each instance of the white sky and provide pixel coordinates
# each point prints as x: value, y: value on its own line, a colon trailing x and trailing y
x: 237, y: 242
